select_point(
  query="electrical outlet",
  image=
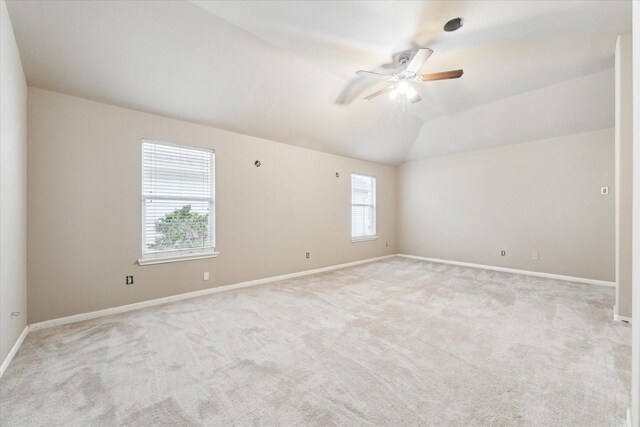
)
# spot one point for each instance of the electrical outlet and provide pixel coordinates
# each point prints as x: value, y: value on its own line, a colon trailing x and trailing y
x: 308, y: 255
x: 536, y: 256
x: 128, y: 280
x: 205, y: 276
x: 503, y: 253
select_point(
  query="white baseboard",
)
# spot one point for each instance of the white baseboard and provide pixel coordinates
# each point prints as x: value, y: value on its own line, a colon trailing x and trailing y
x: 16, y: 346
x: 619, y: 318
x: 514, y: 271
x: 629, y: 421
x: 179, y: 297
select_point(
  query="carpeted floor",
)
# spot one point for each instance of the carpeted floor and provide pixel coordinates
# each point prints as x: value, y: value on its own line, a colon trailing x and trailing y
x: 397, y: 342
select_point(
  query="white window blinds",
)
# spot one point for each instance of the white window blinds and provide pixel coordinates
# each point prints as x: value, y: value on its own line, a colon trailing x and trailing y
x: 178, y: 200
x: 363, y: 206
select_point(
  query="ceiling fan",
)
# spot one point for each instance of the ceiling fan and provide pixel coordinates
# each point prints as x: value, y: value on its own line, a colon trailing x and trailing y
x: 401, y: 83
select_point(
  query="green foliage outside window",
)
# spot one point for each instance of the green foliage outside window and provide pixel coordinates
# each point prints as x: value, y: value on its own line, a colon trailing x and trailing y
x: 181, y: 229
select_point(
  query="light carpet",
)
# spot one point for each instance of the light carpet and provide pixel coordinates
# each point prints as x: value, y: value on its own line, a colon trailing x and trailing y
x: 398, y: 342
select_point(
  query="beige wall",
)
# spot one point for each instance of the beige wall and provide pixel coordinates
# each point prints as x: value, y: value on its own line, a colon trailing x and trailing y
x: 624, y: 173
x: 13, y: 188
x: 84, y: 207
x: 539, y: 197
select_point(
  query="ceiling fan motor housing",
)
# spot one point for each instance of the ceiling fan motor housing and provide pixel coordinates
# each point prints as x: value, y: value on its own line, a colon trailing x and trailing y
x: 402, y: 81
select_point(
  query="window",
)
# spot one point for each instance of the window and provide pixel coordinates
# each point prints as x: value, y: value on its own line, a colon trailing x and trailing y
x: 363, y: 207
x: 178, y: 202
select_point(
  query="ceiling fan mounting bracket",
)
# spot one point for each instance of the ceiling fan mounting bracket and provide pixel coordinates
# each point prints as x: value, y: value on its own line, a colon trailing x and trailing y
x: 404, y: 58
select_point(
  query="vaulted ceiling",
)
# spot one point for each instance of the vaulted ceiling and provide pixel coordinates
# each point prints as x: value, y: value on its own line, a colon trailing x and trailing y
x: 285, y: 70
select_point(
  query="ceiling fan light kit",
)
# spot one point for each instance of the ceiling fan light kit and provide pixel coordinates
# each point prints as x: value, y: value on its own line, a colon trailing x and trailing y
x: 401, y: 84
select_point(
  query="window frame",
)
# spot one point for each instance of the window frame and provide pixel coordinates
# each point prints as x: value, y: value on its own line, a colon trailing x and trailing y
x: 160, y: 257
x: 374, y: 235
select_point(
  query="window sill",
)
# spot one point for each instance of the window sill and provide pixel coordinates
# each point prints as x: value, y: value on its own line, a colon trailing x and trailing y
x: 363, y: 239
x: 178, y: 258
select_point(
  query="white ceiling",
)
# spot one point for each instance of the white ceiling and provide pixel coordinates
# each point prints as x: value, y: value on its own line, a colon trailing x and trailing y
x: 573, y: 106
x: 276, y: 69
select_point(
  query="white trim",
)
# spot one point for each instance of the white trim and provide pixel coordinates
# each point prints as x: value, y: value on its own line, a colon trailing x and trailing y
x: 177, y: 258
x: 619, y: 318
x: 363, y: 239
x: 14, y: 350
x: 177, y: 145
x: 372, y: 205
x: 634, y: 417
x: 629, y: 422
x: 514, y: 271
x: 179, y: 297
x: 149, y: 258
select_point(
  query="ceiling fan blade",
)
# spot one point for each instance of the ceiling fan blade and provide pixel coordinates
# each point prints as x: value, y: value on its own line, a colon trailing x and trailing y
x: 418, y: 60
x: 372, y: 74
x: 380, y: 92
x: 444, y: 75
